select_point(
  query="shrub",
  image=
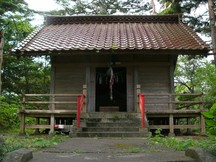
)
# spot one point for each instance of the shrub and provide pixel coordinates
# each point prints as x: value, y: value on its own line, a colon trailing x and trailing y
x: 211, y: 119
x: 8, y: 114
x: 1, y: 148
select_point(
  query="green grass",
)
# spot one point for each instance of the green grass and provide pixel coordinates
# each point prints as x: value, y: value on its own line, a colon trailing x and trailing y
x: 183, y: 143
x: 12, y: 141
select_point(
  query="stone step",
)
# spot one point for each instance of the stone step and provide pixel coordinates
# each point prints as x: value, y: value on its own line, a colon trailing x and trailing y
x: 110, y: 129
x: 112, y: 120
x: 111, y: 124
x: 112, y: 115
x: 111, y: 134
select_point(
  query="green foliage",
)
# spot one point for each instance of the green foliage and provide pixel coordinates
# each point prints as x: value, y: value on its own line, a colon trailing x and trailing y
x: 13, y: 6
x: 8, y: 114
x: 24, y: 75
x: 200, y: 22
x: 181, y: 144
x: 158, y: 133
x: 13, y: 142
x: 196, y: 75
x: 101, y: 7
x: 2, y: 144
x: 211, y: 119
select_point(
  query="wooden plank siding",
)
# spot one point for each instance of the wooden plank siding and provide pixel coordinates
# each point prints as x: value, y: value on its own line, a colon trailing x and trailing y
x: 152, y: 72
x: 155, y: 78
x: 69, y: 78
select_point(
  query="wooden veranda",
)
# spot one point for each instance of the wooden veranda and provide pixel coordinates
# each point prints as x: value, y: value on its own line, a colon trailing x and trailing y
x: 181, y: 114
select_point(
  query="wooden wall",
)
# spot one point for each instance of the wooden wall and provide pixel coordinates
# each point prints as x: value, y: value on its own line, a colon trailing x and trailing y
x: 68, y: 78
x: 156, y: 77
x: 153, y: 72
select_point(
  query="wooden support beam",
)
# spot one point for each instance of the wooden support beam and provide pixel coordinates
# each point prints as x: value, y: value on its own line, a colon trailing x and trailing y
x: 186, y: 126
x: 202, y: 123
x: 138, y: 91
x: 22, y: 124
x: 48, y: 112
x: 37, y: 122
x: 171, y: 125
x: 37, y: 126
x: 52, y: 124
x: 50, y: 102
x: 85, y: 99
x: 159, y: 126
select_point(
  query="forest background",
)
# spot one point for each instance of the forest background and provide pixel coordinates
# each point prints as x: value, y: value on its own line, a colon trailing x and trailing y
x: 21, y: 75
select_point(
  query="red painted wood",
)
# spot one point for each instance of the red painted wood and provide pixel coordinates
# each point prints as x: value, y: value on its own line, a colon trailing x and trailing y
x: 142, y: 108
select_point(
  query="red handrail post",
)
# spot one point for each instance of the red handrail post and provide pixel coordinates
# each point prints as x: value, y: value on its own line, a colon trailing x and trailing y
x: 142, y: 108
x: 143, y: 111
x: 78, y: 110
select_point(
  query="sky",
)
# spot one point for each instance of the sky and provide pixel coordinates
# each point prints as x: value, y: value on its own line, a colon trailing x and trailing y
x: 41, y: 5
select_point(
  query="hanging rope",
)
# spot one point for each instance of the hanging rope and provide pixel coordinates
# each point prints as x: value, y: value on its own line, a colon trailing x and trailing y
x: 111, y: 81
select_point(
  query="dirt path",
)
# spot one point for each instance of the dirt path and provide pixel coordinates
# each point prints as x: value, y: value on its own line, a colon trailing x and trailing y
x: 108, y: 150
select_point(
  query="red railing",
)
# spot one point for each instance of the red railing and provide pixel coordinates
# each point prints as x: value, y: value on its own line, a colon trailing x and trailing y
x: 80, y: 104
x: 141, y: 101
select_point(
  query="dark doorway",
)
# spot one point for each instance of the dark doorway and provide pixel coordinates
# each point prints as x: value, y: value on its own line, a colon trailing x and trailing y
x: 105, y: 99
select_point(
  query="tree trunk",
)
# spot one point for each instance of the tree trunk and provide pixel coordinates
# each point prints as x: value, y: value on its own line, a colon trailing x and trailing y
x: 212, y: 27
x: 1, y: 56
x: 153, y: 8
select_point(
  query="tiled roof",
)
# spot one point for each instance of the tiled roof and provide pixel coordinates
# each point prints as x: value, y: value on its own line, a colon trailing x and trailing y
x: 78, y: 33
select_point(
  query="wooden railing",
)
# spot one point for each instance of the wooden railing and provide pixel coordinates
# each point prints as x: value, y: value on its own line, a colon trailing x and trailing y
x: 174, y: 107
x: 46, y: 101
x: 172, y: 101
x: 44, y: 106
x: 176, y: 101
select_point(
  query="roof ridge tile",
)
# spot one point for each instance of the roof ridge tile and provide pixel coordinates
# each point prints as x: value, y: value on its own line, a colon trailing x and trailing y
x: 53, y: 19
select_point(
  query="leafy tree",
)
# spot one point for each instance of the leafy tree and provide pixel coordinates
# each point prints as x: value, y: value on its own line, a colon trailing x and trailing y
x: 13, y: 6
x: 8, y: 114
x: 186, y: 69
x: 101, y: 7
x: 25, y: 75
x: 20, y: 74
x: 185, y: 7
x: 196, y: 74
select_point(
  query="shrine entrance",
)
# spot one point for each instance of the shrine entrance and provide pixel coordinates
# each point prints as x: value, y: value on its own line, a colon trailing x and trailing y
x: 111, y: 89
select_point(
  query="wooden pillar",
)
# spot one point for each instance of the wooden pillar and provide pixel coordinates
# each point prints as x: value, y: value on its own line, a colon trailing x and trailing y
x: 37, y: 122
x: 88, y: 91
x: 170, y: 102
x: 202, y: 123
x: 52, y: 124
x: 52, y: 98
x: 85, y: 99
x: 189, y: 131
x: 171, y: 125
x: 52, y: 117
x: 22, y: 123
x: 22, y: 117
x: 138, y: 90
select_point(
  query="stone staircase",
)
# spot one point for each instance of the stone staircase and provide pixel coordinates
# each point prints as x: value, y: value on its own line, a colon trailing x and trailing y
x: 109, y: 124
